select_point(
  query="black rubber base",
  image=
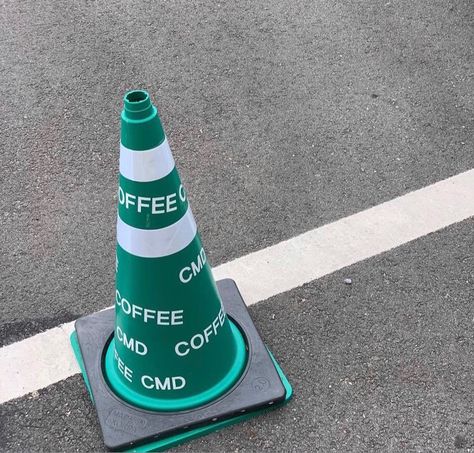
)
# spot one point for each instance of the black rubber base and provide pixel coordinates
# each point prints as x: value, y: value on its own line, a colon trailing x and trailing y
x: 125, y: 427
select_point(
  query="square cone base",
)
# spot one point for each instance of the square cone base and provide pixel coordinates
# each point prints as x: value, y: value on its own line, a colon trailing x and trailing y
x: 262, y: 387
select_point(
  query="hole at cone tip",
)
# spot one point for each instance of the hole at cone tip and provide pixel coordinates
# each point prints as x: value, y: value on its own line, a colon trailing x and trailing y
x: 136, y: 96
x: 137, y: 103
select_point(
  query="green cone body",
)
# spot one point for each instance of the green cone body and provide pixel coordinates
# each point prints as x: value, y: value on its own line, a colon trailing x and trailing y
x: 174, y: 347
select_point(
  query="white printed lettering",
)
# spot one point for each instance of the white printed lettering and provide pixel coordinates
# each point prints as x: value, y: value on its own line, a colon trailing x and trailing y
x: 185, y: 278
x: 121, y: 196
x: 134, y: 345
x: 156, y: 204
x: 142, y: 204
x: 129, y: 200
x: 124, y: 369
x: 182, y: 193
x: 161, y: 317
x: 177, y: 317
x: 169, y: 383
x: 170, y: 201
x: 198, y: 340
x: 187, y: 273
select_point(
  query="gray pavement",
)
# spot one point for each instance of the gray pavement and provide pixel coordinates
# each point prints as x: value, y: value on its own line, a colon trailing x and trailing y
x: 384, y: 364
x: 282, y: 116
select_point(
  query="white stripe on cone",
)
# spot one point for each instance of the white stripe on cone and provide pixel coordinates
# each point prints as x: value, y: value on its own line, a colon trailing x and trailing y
x: 160, y: 242
x: 145, y: 166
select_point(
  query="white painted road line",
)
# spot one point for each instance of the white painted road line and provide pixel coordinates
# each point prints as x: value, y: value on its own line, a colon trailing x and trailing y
x: 46, y: 358
x: 36, y: 362
x: 324, y: 250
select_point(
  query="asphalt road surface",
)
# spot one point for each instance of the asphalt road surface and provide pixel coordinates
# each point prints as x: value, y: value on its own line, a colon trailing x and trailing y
x: 282, y: 117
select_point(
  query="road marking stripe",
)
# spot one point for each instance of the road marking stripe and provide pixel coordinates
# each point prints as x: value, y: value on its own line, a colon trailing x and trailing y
x: 160, y: 242
x: 145, y: 166
x: 36, y: 362
x: 46, y: 358
x: 324, y: 250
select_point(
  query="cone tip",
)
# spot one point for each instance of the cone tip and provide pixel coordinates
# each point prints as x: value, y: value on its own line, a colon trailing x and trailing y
x: 141, y: 127
x: 136, y: 100
x: 137, y: 106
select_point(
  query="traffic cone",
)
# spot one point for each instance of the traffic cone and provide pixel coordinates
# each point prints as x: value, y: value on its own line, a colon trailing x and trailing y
x: 180, y: 357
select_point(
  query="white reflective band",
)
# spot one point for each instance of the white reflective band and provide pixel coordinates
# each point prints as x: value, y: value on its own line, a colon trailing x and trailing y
x: 145, y: 166
x: 157, y: 243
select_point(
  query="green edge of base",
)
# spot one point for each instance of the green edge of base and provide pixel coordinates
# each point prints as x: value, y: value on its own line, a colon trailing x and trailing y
x: 77, y: 352
x: 176, y: 439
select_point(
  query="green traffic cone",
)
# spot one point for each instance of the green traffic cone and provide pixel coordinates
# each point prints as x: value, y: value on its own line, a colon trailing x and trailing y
x: 177, y: 357
x: 174, y: 347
